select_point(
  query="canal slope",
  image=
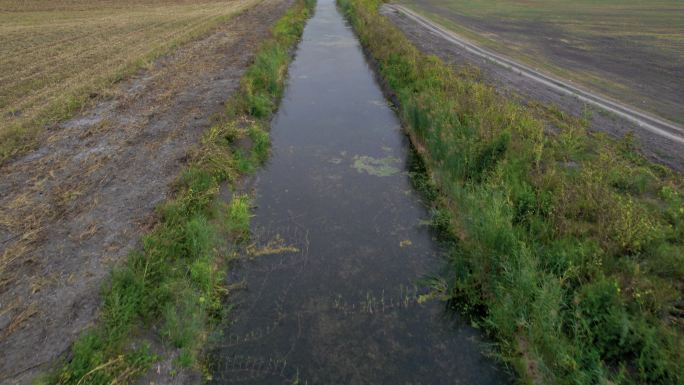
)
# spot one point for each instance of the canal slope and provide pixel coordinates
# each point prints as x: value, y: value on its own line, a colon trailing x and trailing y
x: 660, y: 140
x: 340, y: 243
x: 555, y: 233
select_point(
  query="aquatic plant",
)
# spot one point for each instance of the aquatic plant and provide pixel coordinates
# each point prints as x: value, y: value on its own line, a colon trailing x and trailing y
x: 376, y: 166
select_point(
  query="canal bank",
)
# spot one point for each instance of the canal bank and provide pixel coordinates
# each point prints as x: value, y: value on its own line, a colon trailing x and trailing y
x: 340, y: 243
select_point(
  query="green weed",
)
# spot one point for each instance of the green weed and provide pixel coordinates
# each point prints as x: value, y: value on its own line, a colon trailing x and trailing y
x: 176, y: 281
x: 239, y: 215
x: 567, y: 246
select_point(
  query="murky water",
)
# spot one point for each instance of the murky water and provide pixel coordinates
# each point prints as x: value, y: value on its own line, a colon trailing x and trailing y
x: 340, y: 243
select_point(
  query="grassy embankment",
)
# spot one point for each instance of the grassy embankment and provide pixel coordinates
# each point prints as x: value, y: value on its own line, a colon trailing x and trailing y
x: 176, y: 282
x: 567, y: 248
x: 57, y: 57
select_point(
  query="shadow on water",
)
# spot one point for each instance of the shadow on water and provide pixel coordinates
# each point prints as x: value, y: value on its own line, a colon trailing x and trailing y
x: 340, y: 244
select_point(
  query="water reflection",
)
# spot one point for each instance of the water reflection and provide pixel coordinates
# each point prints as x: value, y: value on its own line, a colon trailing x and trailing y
x: 339, y: 243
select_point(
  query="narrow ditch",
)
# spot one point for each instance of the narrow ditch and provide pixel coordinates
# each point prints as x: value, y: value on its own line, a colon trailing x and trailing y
x: 340, y: 243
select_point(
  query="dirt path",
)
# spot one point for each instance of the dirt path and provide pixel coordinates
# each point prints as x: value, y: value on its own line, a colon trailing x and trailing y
x: 661, y: 140
x: 76, y: 206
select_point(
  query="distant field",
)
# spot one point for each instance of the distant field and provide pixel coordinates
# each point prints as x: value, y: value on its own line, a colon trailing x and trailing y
x: 56, y: 55
x: 630, y: 50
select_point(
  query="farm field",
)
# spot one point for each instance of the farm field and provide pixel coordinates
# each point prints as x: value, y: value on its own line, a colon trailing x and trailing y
x: 74, y: 206
x: 632, y: 51
x: 58, y: 56
x: 341, y: 192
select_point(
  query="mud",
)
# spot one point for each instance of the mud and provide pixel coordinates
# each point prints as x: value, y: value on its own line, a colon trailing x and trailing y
x: 654, y: 147
x: 76, y: 206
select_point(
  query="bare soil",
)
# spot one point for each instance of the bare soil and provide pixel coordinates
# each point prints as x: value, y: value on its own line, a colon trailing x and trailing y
x: 650, y: 78
x: 75, y: 207
x: 653, y: 146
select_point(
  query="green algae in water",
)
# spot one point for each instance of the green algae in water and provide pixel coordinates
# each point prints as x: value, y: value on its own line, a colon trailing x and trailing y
x: 376, y: 166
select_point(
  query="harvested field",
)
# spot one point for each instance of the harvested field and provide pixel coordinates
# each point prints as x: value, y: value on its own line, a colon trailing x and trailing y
x: 73, y: 208
x: 59, y: 56
x: 628, y: 50
x: 545, y: 98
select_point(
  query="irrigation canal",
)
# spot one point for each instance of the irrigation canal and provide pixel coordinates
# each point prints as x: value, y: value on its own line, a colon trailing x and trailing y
x: 332, y: 280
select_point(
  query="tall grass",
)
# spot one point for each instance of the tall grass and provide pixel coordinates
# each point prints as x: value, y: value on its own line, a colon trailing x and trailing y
x: 567, y: 248
x: 176, y: 282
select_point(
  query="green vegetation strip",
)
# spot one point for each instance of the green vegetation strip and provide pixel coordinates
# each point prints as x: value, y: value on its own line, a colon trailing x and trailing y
x: 567, y: 247
x: 176, y: 283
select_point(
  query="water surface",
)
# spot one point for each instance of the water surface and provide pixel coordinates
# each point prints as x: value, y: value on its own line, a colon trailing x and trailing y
x: 340, y: 242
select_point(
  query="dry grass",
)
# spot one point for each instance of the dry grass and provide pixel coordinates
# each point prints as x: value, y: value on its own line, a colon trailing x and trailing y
x: 56, y: 56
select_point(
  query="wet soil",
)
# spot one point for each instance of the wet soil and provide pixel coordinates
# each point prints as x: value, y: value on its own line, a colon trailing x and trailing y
x: 76, y: 206
x: 657, y: 148
x: 334, y: 276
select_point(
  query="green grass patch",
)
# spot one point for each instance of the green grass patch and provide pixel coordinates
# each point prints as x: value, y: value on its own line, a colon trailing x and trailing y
x: 566, y: 248
x: 176, y: 282
x: 238, y: 216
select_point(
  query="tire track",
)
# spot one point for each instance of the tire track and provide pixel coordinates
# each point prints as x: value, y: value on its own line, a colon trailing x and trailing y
x: 652, y: 124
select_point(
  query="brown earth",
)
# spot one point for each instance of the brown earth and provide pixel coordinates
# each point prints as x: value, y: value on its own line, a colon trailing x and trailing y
x: 650, y: 78
x: 655, y: 147
x: 76, y: 206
